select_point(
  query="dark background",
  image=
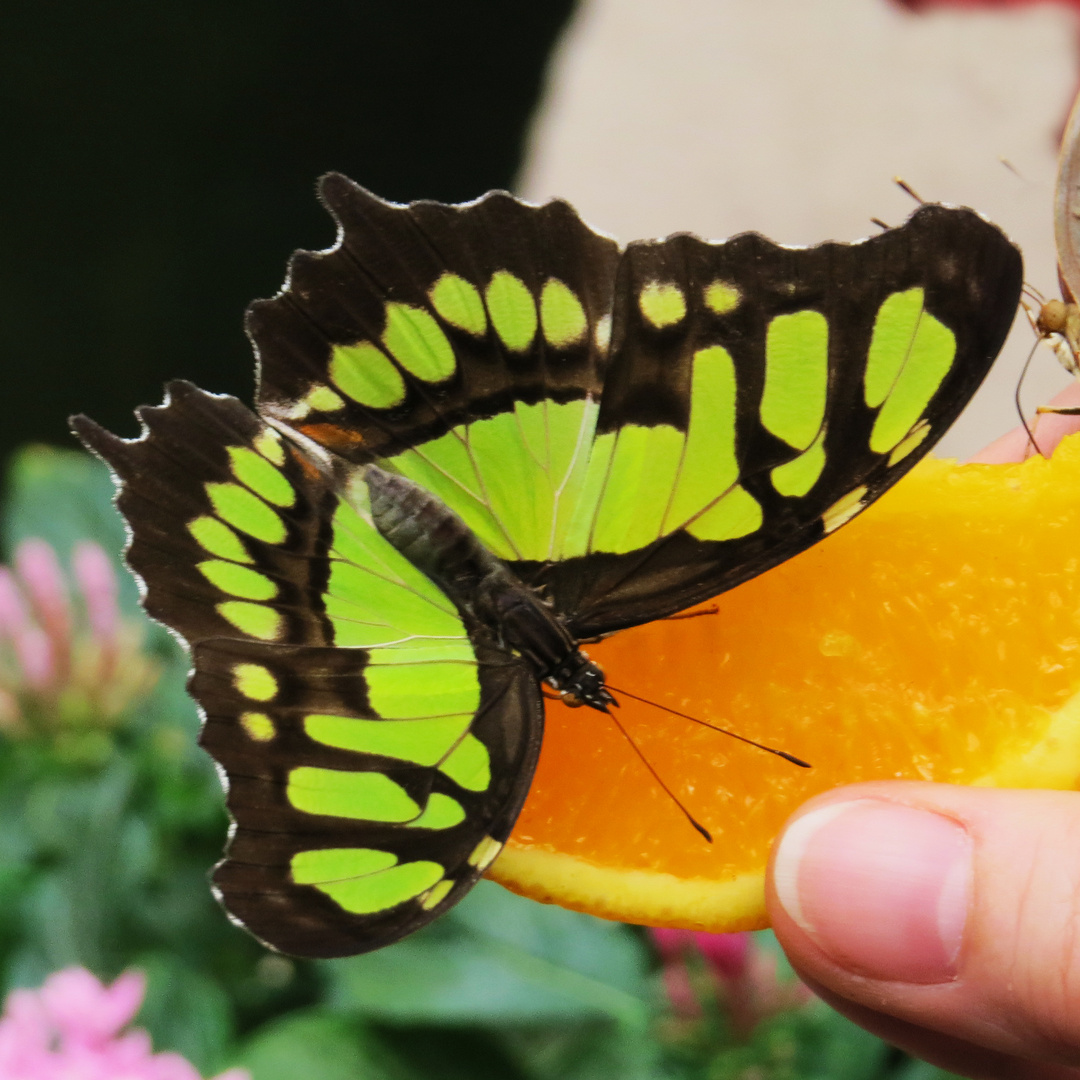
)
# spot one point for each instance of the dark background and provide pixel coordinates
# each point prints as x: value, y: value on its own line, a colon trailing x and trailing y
x: 159, y: 161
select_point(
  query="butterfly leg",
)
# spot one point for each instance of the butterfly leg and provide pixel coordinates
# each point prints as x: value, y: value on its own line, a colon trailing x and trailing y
x: 712, y: 609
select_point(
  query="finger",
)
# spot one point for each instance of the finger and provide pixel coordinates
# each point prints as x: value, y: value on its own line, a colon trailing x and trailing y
x: 952, y: 909
x: 944, y: 1051
x: 1048, y: 428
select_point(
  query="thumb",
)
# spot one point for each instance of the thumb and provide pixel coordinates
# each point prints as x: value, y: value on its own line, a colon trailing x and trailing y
x: 953, y: 910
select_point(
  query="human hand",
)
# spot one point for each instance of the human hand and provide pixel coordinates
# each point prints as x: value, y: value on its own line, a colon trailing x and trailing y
x: 944, y: 919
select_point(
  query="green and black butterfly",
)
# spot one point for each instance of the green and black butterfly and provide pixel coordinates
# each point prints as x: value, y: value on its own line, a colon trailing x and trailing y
x: 484, y: 434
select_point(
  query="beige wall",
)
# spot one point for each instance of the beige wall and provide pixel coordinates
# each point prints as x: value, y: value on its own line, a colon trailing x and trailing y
x: 791, y: 117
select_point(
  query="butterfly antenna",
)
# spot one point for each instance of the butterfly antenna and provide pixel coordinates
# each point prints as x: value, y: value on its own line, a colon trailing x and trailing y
x: 656, y: 776
x: 879, y: 223
x: 713, y: 609
x: 712, y: 727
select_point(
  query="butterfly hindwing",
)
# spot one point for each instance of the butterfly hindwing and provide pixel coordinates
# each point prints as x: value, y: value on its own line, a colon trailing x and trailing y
x: 376, y: 757
x: 227, y: 520
x: 354, y: 828
x: 757, y: 397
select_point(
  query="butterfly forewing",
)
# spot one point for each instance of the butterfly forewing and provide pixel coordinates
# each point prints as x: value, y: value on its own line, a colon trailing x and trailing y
x: 461, y: 346
x: 376, y: 758
x: 753, y: 397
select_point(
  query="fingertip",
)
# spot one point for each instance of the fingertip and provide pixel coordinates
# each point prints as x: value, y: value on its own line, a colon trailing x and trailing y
x: 880, y: 887
x: 1048, y: 428
x: 949, y: 908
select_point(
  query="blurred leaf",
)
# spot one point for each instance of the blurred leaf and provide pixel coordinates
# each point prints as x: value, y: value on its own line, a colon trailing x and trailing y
x: 837, y: 1049
x: 310, y: 1044
x: 499, y: 958
x: 605, y: 951
x: 922, y: 1070
x: 16, y: 879
x: 813, y: 1043
x: 26, y: 967
x: 590, y: 1051
x: 169, y: 704
x: 185, y: 1011
x: 50, y: 922
x: 103, y: 852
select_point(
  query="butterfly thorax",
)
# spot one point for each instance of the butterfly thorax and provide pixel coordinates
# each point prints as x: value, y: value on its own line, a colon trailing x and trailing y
x: 494, y: 599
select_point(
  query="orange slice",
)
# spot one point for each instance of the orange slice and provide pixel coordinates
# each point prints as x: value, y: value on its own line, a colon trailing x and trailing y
x: 936, y: 637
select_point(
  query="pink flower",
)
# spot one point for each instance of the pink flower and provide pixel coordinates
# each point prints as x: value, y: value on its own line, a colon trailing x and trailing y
x: 66, y: 661
x: 72, y: 1029
x: 741, y: 978
x: 726, y: 954
x: 90, y: 1013
x: 44, y: 586
x: 30, y: 644
x: 97, y: 582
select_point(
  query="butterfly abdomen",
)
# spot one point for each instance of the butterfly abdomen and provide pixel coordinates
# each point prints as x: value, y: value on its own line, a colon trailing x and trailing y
x: 430, y: 535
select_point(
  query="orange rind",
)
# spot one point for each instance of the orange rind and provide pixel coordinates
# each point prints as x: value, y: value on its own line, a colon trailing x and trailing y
x: 936, y: 637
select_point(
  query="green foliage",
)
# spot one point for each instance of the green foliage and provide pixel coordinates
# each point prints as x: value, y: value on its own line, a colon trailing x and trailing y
x: 315, y: 1043
x: 500, y: 960
x: 105, y: 847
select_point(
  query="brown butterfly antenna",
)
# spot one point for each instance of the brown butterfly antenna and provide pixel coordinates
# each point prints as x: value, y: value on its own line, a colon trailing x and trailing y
x: 556, y: 696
